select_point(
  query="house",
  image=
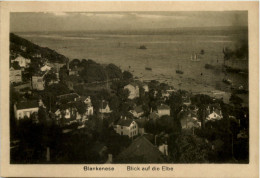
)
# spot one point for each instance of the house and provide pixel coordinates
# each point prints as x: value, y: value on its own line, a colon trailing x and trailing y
x: 145, y: 87
x: 38, y: 82
x: 163, y: 148
x: 141, y: 85
x: 23, y: 62
x: 55, y: 65
x: 23, y: 87
x: 87, y: 102
x: 189, y: 122
x: 73, y: 72
x: 141, y: 150
x: 104, y: 108
x: 126, y: 126
x: 133, y: 89
x: 89, y: 110
x: 163, y: 110
x: 67, y: 98
x: 25, y: 108
x: 45, y: 68
x: 213, y: 113
x: 15, y: 75
x: 137, y: 111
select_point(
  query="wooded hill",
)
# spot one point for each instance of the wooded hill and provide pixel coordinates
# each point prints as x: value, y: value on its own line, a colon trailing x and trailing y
x: 17, y: 42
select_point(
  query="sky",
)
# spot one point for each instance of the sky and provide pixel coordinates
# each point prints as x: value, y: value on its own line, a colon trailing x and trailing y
x: 83, y: 21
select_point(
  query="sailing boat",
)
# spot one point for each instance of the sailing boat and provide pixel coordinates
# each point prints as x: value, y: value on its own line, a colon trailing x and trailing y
x: 194, y: 57
x: 147, y: 66
x: 179, y: 71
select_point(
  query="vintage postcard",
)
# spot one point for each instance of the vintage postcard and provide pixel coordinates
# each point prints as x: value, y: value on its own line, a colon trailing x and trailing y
x: 129, y: 89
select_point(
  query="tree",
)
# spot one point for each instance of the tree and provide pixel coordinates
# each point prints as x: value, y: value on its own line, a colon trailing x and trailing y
x: 127, y: 75
x: 123, y: 94
x: 175, y: 102
x: 81, y: 108
x: 114, y: 103
x: 113, y: 71
x: 74, y: 63
x: 234, y: 99
x: 51, y: 76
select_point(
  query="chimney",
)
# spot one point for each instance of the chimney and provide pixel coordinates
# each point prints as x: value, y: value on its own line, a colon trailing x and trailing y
x: 48, y: 154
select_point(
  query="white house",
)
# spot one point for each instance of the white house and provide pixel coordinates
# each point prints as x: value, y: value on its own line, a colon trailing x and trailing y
x: 163, y: 148
x: 214, y: 114
x: 133, y: 89
x: 89, y: 110
x: 23, y: 62
x: 163, y: 110
x: 137, y: 111
x: 145, y: 87
x: 126, y: 126
x: 45, y: 68
x: 25, y: 108
x: 104, y: 108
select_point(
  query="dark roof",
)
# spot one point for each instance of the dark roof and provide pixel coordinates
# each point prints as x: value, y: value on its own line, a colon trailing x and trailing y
x: 140, y: 151
x: 27, y: 104
x: 139, y: 109
x: 163, y: 106
x: 141, y: 122
x: 125, y: 122
x: 15, y: 67
x: 69, y: 96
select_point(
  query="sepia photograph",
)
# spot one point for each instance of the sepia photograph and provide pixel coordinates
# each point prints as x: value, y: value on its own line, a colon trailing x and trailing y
x: 129, y: 87
x: 142, y: 89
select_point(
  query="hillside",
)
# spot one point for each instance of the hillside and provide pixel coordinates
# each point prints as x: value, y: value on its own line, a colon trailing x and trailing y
x: 16, y: 43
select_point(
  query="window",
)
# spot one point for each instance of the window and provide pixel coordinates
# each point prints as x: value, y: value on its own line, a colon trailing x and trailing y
x: 121, y: 127
x: 121, y: 132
